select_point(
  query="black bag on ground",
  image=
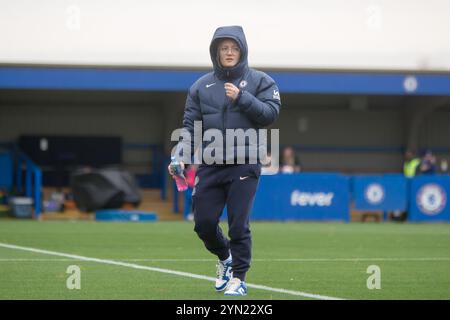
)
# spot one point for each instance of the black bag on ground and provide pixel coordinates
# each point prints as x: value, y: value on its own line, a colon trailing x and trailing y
x: 104, y: 189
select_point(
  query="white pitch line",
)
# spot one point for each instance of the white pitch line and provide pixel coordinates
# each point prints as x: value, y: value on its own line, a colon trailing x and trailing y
x: 167, y: 271
x: 35, y: 260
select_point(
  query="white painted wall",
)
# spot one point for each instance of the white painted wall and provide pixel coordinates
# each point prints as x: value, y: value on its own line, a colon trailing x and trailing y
x: 345, y: 34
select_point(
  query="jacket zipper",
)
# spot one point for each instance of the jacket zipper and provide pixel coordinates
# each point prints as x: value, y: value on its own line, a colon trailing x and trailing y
x: 224, y: 110
x: 224, y: 114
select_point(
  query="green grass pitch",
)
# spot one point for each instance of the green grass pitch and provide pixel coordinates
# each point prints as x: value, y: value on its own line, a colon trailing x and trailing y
x: 327, y: 259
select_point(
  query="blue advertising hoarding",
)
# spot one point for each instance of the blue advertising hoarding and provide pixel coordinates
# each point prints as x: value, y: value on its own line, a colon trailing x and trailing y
x: 327, y: 196
x: 304, y: 196
x: 429, y: 198
x: 380, y: 192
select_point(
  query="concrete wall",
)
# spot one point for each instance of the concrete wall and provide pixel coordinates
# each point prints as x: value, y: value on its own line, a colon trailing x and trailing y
x: 435, y: 132
x: 341, y: 127
x: 136, y: 123
x: 305, y: 121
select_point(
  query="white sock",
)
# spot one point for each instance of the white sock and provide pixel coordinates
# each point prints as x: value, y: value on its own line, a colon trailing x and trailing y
x: 229, y: 259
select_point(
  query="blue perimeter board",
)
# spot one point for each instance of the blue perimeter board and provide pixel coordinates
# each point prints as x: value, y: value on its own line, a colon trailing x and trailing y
x: 103, y: 78
x: 124, y: 215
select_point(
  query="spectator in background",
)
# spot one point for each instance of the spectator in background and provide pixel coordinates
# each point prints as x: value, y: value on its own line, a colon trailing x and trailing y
x: 410, y: 169
x: 290, y: 162
x: 444, y: 166
x: 428, y: 163
x: 411, y: 163
x: 270, y: 168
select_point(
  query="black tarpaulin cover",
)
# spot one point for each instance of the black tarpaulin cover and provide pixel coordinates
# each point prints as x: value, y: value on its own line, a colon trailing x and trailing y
x: 104, y: 189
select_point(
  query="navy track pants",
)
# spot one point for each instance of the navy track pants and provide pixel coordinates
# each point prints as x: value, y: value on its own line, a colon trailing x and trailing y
x: 235, y: 187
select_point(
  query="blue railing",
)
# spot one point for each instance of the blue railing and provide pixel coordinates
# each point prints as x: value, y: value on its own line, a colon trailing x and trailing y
x: 32, y: 187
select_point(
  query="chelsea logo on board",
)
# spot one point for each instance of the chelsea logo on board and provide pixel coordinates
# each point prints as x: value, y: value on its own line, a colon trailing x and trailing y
x: 374, y: 193
x: 431, y: 199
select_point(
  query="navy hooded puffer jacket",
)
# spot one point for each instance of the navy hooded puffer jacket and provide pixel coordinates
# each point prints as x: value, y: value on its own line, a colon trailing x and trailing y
x: 257, y: 105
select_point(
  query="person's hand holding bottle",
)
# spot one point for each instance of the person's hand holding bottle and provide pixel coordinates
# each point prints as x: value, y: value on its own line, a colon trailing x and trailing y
x: 176, y: 170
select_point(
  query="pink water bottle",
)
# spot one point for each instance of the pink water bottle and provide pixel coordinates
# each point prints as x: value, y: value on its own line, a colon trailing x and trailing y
x: 179, y: 177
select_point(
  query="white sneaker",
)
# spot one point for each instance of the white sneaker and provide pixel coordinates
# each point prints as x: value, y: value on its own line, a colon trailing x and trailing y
x: 236, y: 287
x: 223, y: 275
